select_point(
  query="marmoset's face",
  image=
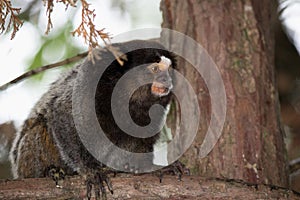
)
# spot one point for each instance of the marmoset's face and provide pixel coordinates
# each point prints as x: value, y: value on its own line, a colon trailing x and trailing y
x: 162, y: 82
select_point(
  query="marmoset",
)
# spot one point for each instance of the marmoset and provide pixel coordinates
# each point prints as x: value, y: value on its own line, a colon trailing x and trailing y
x: 49, y: 137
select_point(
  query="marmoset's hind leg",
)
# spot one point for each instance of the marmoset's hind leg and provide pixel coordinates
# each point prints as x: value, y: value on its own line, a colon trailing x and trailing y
x: 31, y: 159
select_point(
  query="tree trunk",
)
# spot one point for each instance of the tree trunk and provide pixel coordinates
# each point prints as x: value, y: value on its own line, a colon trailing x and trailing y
x: 238, y: 35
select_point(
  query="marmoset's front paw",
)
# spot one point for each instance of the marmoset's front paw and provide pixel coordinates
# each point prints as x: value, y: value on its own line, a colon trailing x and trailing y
x: 56, y: 173
x: 99, y: 179
x: 177, y: 168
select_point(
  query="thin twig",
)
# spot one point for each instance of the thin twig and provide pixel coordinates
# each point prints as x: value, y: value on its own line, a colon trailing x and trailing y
x: 43, y: 68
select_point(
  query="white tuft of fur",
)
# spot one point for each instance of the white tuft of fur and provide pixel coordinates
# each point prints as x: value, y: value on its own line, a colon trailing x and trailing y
x: 14, y: 160
x: 161, y: 146
x: 165, y: 61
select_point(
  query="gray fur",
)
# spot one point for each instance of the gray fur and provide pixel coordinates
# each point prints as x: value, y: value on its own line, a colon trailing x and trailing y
x: 49, y: 136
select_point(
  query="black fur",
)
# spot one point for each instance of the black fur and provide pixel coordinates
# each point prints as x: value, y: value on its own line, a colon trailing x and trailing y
x: 55, y: 108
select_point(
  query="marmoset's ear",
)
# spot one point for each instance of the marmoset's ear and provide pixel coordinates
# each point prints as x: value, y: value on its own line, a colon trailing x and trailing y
x: 157, y: 57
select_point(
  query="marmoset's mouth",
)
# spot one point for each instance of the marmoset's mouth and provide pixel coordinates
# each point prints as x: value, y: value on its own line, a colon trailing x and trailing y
x: 159, y: 89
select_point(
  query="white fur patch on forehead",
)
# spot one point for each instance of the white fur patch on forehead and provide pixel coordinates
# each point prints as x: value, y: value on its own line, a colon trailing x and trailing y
x: 165, y: 60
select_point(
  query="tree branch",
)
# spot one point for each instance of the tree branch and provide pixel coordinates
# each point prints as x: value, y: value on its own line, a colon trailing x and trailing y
x: 43, y: 68
x: 144, y: 187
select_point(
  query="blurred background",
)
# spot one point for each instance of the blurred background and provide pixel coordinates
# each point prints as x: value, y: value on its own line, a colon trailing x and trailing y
x: 31, y: 48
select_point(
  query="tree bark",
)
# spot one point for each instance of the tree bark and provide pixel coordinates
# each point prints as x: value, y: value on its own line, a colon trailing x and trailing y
x: 239, y: 37
x: 7, y: 135
x: 249, y: 159
x: 143, y: 187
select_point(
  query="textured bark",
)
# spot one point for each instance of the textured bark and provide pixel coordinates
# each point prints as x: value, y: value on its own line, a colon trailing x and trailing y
x: 143, y: 187
x: 238, y: 35
x: 7, y: 134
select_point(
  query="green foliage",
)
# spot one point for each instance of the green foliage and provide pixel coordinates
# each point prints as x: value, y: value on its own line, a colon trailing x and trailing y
x: 53, y: 49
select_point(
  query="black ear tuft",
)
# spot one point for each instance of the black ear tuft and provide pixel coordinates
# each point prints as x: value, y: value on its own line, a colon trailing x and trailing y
x: 157, y: 57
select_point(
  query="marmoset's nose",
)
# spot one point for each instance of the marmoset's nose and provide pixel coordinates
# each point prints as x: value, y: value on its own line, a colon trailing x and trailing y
x: 164, y: 78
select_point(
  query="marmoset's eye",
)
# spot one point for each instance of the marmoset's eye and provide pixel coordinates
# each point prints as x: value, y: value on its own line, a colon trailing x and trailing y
x: 155, y: 69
